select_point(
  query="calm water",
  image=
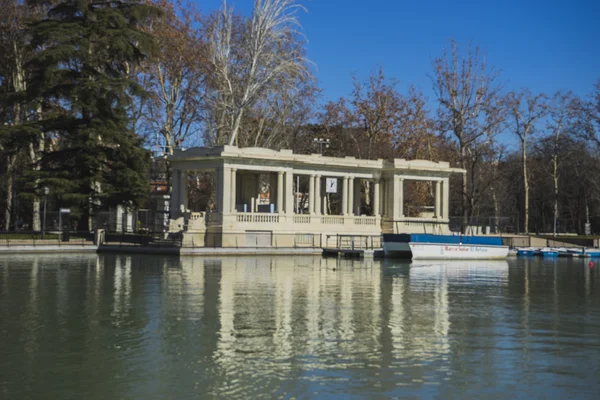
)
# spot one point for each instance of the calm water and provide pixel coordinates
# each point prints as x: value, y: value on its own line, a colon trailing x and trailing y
x: 151, y: 327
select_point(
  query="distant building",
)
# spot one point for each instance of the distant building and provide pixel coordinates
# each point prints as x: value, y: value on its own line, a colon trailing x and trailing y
x: 258, y: 198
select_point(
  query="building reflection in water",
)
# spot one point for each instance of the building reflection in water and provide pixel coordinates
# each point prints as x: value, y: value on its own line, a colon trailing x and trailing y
x: 274, y: 309
x: 289, y: 326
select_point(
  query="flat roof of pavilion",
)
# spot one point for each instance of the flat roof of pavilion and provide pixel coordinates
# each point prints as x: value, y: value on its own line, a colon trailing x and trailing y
x: 288, y: 158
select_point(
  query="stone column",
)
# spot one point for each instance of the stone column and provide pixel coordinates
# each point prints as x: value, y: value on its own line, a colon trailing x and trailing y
x: 233, y: 189
x: 438, y: 209
x: 376, y: 204
x: 183, y: 194
x: 174, y: 204
x: 445, y: 197
x: 384, y: 199
x: 390, y: 197
x: 356, y: 196
x: 318, y: 194
x: 223, y: 189
x: 311, y: 195
x: 401, y: 196
x: 396, y: 197
x: 351, y: 196
x: 345, y: 196
x: 219, y: 194
x: 289, y: 192
x: 280, y: 192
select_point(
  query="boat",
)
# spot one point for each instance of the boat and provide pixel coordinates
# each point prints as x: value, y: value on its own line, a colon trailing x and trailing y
x: 549, y: 252
x: 526, y: 252
x: 575, y: 252
x: 421, y: 246
x: 590, y: 253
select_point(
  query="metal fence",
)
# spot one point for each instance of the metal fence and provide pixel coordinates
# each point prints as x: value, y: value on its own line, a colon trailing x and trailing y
x: 484, y: 225
x: 353, y: 242
x: 110, y: 221
x: 31, y: 238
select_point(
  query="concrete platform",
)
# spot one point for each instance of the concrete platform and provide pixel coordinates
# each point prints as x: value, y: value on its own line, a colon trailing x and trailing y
x: 46, y: 248
x: 209, y: 251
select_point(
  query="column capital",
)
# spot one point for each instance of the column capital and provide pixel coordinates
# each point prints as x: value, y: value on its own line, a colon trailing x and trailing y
x: 312, y: 176
x: 234, y: 169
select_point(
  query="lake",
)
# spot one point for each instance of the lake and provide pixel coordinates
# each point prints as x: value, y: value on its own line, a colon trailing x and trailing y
x: 157, y: 327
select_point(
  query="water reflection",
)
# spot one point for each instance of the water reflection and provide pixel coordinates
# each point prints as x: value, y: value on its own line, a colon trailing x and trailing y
x: 154, y: 327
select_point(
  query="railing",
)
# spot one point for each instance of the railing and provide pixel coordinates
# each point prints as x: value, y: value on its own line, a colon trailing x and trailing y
x: 479, y: 225
x: 196, y: 221
x: 333, y: 219
x: 365, y: 221
x: 353, y: 242
x: 258, y: 218
x: 306, y: 240
x: 194, y: 216
x: 51, y: 238
x: 428, y: 225
x: 302, y: 219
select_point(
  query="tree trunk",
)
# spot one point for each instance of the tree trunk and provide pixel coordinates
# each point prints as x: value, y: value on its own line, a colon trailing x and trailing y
x: 236, y: 128
x: 10, y: 165
x: 496, y: 217
x: 525, y: 183
x: 555, y: 180
x: 464, y: 186
x: 35, y: 155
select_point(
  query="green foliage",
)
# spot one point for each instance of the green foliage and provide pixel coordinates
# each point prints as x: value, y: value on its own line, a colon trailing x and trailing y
x: 84, y: 53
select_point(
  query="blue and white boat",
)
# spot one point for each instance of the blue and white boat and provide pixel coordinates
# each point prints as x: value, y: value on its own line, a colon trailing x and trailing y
x: 421, y: 246
x: 586, y: 252
x: 526, y: 252
x: 593, y: 253
x: 549, y: 252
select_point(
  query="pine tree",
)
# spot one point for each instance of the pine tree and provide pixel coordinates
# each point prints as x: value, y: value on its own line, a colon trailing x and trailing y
x: 85, y: 52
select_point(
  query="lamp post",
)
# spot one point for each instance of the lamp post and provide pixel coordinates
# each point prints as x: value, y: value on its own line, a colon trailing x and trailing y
x: 321, y: 142
x: 46, y: 191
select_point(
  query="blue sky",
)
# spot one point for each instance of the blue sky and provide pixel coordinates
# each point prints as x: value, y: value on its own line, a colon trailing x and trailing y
x: 544, y: 45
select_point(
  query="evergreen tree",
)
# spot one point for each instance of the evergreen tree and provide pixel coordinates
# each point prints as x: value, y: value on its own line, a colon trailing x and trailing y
x: 85, y: 51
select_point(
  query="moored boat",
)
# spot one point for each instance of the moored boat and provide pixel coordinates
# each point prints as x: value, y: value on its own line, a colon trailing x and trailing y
x: 526, y: 251
x: 444, y: 247
x: 549, y: 252
x: 592, y: 253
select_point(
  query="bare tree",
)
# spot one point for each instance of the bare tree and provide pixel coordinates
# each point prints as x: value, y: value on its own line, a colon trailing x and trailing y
x: 415, y: 136
x: 251, y: 58
x: 471, y: 108
x: 376, y: 106
x: 369, y: 118
x: 526, y: 110
x: 174, y: 79
x: 562, y: 110
x: 275, y: 121
x: 591, y: 115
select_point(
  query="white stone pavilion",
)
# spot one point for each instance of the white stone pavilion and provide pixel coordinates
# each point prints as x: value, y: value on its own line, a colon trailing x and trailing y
x: 257, y: 200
